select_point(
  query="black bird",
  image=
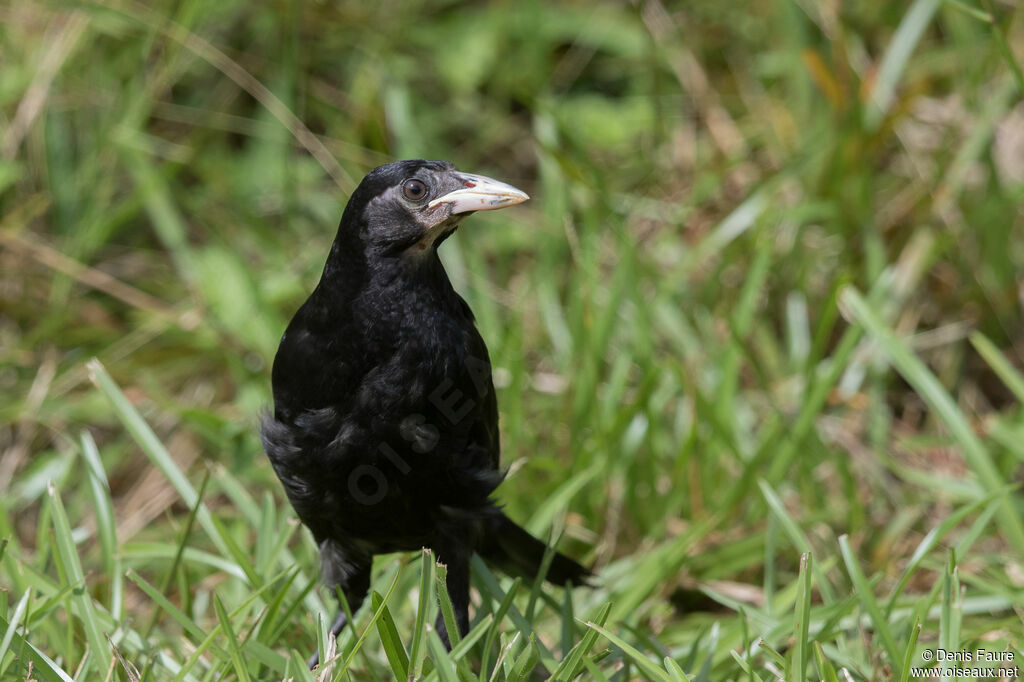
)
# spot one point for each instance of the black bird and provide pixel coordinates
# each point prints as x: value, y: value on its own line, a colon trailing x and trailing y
x: 385, y: 424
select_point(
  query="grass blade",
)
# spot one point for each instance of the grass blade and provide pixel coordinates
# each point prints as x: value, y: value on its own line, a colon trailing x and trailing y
x: 499, y: 615
x: 902, y: 45
x: 447, y: 612
x: 867, y: 599
x: 908, y: 656
x: 524, y: 665
x: 803, y: 617
x: 570, y: 665
x: 443, y: 663
x: 635, y: 655
x: 234, y: 651
x: 999, y: 364
x: 155, y: 450
x: 938, y: 399
x: 187, y: 624
x: 370, y: 626
x: 44, y: 668
x: 389, y: 638
x: 951, y: 613
x: 418, y: 648
x: 12, y: 626
x: 68, y: 553
x: 106, y: 527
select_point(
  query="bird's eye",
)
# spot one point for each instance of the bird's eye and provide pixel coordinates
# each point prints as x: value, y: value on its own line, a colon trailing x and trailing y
x: 414, y: 190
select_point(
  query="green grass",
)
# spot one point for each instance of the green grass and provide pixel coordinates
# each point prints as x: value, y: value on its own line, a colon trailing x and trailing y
x: 757, y: 336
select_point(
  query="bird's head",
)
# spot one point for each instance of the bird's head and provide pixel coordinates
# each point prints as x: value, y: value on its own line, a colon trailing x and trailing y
x: 409, y: 207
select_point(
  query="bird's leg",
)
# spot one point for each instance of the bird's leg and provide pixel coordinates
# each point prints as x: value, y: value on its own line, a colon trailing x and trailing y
x: 349, y: 574
x: 457, y: 561
x: 339, y: 622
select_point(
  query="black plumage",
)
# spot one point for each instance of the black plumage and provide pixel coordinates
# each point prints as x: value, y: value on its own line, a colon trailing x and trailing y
x: 385, y: 425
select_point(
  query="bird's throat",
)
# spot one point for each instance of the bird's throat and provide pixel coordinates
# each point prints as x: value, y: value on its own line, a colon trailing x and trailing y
x: 434, y: 236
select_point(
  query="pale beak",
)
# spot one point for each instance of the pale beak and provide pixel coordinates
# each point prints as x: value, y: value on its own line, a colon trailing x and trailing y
x: 480, y: 193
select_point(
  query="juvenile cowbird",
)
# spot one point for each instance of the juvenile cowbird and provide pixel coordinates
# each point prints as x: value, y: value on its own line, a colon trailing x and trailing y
x: 385, y: 424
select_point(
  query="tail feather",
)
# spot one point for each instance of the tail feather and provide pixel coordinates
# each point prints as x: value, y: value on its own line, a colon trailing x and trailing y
x: 509, y: 547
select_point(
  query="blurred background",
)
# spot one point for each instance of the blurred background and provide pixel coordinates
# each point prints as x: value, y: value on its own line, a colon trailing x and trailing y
x: 765, y: 301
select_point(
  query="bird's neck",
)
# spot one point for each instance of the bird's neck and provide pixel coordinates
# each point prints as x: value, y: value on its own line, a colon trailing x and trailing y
x: 413, y: 283
x: 390, y: 288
